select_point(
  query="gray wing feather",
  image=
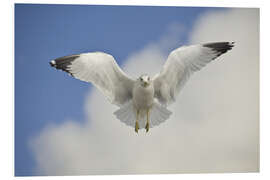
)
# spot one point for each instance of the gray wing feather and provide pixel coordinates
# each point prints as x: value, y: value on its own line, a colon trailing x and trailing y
x: 100, y: 69
x: 181, y: 64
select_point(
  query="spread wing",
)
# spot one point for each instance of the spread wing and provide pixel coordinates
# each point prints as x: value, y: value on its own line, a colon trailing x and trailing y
x: 100, y: 69
x: 182, y: 63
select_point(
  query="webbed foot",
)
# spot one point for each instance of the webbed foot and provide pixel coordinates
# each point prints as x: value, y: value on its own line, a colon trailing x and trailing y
x: 147, y: 127
x: 137, y: 127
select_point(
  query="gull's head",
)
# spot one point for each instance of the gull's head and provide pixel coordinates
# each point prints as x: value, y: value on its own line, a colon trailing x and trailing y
x: 144, y: 80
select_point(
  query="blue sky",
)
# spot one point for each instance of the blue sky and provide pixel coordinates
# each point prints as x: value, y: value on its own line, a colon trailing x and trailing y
x: 44, y: 32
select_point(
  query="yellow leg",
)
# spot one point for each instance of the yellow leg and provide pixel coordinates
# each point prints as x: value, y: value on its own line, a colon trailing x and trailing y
x: 137, y: 123
x: 147, y: 122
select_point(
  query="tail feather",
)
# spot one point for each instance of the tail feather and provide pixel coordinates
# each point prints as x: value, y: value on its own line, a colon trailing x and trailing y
x: 127, y: 115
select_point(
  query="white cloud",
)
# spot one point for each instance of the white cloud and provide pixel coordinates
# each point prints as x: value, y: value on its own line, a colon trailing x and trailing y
x: 214, y: 126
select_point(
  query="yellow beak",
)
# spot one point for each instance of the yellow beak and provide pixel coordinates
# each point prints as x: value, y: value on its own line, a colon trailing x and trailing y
x: 145, y: 84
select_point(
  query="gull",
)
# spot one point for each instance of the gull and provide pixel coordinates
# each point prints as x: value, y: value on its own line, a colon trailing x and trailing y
x: 142, y: 102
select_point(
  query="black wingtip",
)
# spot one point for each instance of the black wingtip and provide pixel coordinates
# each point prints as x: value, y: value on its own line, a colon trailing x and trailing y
x: 220, y: 47
x: 63, y: 63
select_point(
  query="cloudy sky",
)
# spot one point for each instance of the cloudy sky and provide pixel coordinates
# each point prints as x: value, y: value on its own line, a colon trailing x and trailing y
x: 66, y: 127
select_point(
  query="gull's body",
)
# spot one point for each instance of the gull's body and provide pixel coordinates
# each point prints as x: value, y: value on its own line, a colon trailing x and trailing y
x: 143, y: 99
x: 143, y: 93
x: 143, y: 102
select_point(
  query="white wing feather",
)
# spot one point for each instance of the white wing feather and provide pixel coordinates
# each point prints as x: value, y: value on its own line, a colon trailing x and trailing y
x: 182, y: 63
x: 100, y: 69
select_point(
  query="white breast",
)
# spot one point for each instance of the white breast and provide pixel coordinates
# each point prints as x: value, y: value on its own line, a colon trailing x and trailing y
x: 143, y: 97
